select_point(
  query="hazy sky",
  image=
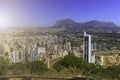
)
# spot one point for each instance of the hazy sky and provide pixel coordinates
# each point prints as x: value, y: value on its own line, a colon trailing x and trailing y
x: 46, y: 12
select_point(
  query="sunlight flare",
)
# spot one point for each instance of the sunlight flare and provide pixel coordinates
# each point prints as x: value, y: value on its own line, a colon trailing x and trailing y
x: 5, y: 21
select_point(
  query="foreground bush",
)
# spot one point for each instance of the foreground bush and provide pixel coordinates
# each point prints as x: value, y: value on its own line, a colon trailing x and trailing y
x: 35, y: 67
x: 67, y: 64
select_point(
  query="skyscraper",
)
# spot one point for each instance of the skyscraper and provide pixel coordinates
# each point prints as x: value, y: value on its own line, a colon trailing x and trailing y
x: 87, y: 48
x: 33, y: 54
x: 14, y: 57
x: 68, y: 46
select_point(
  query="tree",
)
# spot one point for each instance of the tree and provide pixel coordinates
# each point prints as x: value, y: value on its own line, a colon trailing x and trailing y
x: 36, y: 67
x: 68, y: 61
x: 4, y: 64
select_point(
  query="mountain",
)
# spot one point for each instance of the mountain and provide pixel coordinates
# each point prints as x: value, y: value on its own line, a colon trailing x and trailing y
x: 66, y: 23
x: 98, y: 24
x: 93, y: 25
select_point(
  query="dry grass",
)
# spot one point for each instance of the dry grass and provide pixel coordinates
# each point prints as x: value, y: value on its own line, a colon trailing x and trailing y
x: 68, y: 72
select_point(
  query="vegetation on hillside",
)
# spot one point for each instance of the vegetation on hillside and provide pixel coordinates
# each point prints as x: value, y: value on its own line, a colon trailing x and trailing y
x: 29, y: 68
x: 70, y: 65
x: 85, y: 69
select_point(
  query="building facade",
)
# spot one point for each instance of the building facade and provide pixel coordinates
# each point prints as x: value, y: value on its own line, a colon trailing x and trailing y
x: 87, y: 48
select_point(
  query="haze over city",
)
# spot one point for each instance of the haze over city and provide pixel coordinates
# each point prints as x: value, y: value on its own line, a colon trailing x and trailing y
x: 46, y: 12
x: 59, y: 40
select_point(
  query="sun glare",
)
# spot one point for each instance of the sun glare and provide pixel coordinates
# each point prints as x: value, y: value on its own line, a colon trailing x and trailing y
x: 5, y: 21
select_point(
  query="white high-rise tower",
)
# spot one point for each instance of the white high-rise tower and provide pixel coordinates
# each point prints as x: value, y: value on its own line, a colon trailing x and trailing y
x: 87, y: 47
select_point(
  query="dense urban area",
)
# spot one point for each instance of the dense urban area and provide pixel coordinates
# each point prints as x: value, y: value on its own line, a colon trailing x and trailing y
x: 59, y: 52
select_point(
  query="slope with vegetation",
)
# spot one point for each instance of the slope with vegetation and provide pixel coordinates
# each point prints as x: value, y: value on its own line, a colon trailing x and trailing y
x: 74, y: 66
x: 69, y: 66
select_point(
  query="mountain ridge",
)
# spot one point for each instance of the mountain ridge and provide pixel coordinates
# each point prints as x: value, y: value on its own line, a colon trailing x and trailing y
x: 93, y: 25
x: 70, y: 23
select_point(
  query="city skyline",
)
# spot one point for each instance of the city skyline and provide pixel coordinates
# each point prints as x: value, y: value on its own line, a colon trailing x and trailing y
x: 46, y: 13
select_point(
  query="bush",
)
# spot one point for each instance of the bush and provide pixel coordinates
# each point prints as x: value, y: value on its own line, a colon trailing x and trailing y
x: 35, y: 67
x: 68, y: 61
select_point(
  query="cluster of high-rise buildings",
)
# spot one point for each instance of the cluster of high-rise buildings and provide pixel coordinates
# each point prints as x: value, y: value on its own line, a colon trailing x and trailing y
x: 42, y: 47
x: 31, y: 48
x: 21, y: 49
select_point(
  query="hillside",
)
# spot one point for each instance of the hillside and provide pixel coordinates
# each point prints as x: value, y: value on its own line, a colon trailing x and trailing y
x: 90, y: 26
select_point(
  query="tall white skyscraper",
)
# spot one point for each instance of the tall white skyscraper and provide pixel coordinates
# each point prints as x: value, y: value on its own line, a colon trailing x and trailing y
x: 87, y: 48
x: 68, y: 46
x: 14, y: 57
x: 33, y: 54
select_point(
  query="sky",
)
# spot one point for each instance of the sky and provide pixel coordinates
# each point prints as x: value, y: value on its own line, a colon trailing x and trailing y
x: 47, y: 12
